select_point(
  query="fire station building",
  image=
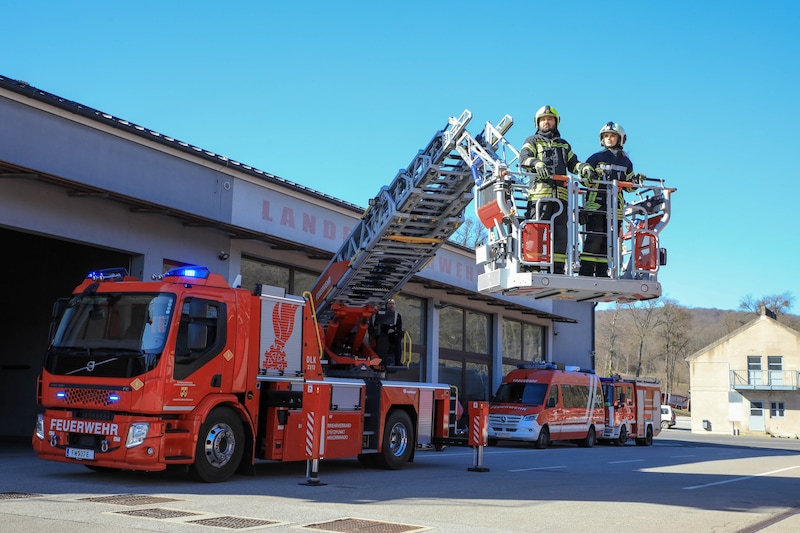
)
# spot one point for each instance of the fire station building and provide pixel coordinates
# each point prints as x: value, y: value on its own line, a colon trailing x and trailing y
x: 82, y: 190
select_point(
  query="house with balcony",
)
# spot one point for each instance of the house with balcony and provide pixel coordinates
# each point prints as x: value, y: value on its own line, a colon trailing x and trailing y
x: 747, y: 382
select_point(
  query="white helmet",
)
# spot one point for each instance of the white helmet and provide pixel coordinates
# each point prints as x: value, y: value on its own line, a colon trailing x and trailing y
x: 613, y: 127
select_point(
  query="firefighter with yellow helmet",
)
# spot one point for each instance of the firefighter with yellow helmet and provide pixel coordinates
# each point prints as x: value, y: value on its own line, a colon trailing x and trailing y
x: 545, y: 154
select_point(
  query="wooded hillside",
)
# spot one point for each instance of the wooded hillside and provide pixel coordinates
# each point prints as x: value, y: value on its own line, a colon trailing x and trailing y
x: 653, y: 338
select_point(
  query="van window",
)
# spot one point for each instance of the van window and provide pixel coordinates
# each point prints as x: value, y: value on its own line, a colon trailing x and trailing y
x: 552, y: 397
x: 575, y: 396
x: 522, y: 393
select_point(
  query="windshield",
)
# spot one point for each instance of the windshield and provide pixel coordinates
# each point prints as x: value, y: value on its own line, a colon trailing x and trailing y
x: 111, y: 334
x: 522, y: 393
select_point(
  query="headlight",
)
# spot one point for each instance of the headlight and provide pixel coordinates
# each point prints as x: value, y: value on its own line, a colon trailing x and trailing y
x: 40, y: 426
x: 136, y: 434
x: 530, y: 418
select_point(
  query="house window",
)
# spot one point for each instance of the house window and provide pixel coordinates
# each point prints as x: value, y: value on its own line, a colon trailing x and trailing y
x: 754, y: 376
x: 775, y: 366
x: 776, y: 409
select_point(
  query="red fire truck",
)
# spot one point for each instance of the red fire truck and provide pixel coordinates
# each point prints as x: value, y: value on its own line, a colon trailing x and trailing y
x: 186, y: 370
x: 633, y: 410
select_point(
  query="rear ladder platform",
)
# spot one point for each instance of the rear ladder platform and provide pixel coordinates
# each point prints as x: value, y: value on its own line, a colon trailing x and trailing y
x: 562, y: 287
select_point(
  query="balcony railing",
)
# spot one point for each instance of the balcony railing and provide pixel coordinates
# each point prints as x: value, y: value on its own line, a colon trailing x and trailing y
x: 765, y: 379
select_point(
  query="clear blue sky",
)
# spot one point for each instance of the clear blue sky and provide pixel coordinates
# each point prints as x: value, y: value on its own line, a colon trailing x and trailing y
x: 338, y: 96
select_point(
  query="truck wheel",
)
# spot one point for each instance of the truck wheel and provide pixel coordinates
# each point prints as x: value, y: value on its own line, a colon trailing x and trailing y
x: 398, y: 440
x: 623, y: 436
x: 491, y: 441
x: 220, y: 446
x: 648, y: 439
x: 544, y: 438
x: 590, y: 439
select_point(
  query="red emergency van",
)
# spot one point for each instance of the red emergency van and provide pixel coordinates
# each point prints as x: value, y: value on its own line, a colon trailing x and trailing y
x: 542, y: 402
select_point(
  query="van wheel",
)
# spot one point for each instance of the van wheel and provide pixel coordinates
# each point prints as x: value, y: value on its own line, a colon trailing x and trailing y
x: 664, y: 424
x: 544, y: 438
x: 591, y: 438
x: 220, y: 446
x: 623, y: 436
x: 398, y: 440
x: 648, y: 439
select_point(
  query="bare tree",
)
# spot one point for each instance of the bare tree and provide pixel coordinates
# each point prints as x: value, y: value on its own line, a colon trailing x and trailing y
x: 608, y: 339
x: 645, y: 319
x: 779, y: 304
x: 471, y: 233
x: 675, y: 331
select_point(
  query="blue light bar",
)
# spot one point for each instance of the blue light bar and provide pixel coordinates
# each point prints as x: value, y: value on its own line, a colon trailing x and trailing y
x: 113, y: 397
x: 106, y: 274
x: 61, y: 395
x: 199, y: 272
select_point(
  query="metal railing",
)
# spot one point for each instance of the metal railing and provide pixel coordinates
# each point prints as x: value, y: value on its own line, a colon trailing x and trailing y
x: 765, y: 379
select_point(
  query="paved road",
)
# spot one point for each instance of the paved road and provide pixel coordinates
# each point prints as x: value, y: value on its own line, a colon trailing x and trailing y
x: 684, y: 482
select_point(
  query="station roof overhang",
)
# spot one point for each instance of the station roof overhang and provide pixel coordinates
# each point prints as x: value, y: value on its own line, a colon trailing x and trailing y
x: 75, y: 189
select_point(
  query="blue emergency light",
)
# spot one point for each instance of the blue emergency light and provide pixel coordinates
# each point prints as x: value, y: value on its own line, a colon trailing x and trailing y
x: 193, y: 271
x: 108, y: 274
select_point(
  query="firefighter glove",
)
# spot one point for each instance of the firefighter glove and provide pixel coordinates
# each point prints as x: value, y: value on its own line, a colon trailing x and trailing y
x: 586, y: 171
x: 639, y: 178
x: 541, y: 170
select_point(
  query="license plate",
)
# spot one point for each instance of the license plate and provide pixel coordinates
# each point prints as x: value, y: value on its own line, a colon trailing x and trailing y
x: 77, y: 453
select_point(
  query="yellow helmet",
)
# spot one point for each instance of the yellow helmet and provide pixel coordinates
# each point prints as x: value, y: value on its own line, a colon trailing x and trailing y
x: 547, y: 111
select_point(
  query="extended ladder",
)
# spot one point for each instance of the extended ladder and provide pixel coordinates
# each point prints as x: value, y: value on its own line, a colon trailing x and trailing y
x: 400, y: 231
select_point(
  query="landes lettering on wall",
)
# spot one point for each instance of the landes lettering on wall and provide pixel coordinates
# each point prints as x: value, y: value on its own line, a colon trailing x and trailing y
x: 304, y: 224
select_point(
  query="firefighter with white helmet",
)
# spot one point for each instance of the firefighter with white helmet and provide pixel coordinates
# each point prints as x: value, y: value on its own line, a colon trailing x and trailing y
x: 611, y: 163
x: 546, y: 154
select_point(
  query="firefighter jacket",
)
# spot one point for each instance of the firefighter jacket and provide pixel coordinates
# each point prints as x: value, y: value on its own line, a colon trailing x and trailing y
x: 554, y: 152
x: 616, y: 165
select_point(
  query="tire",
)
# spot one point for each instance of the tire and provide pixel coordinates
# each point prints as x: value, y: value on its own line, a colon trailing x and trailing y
x: 398, y: 440
x: 590, y: 439
x: 623, y: 436
x: 648, y: 439
x: 220, y: 446
x: 544, y: 438
x: 664, y: 424
x: 491, y: 441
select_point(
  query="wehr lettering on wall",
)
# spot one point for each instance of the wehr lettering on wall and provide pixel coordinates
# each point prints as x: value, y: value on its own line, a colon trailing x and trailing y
x: 455, y: 269
x: 311, y: 224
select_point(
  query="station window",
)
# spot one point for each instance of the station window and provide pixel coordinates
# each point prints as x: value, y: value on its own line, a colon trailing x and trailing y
x: 464, y: 352
x: 293, y: 280
x: 522, y: 343
x: 412, y: 310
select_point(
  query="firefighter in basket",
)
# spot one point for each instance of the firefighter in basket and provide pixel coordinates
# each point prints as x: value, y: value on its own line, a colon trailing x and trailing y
x: 545, y: 155
x: 610, y: 163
